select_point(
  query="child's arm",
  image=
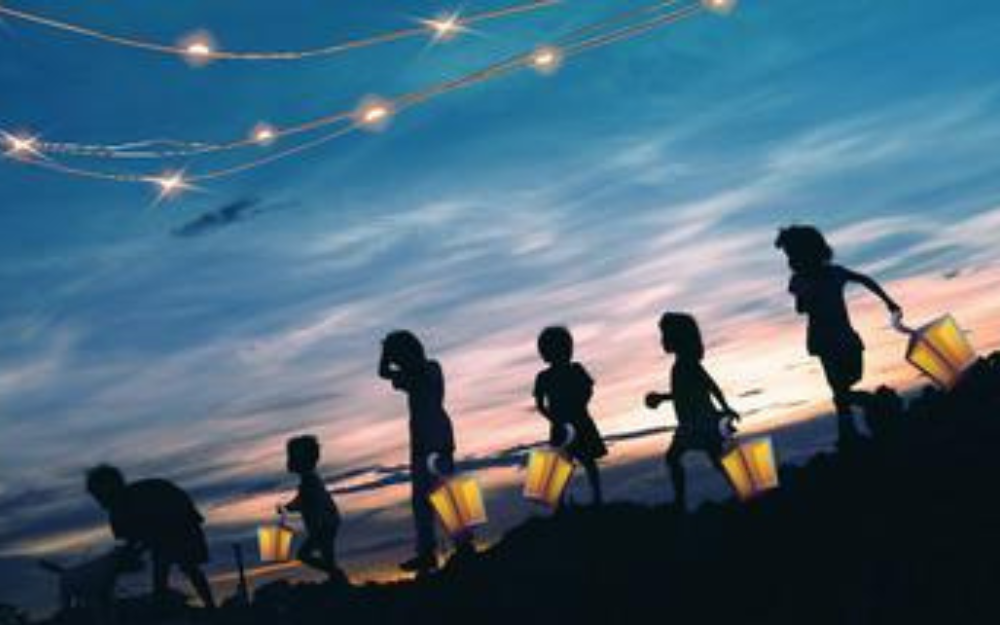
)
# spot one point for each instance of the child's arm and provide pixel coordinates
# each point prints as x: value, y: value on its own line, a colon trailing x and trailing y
x: 387, y: 371
x: 717, y: 394
x: 295, y: 505
x: 874, y: 287
x: 654, y: 399
x: 541, y: 405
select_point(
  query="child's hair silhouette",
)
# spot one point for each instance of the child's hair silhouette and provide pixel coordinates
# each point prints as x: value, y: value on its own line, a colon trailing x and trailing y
x: 303, y: 454
x: 805, y: 246
x: 404, y: 349
x: 681, y: 336
x: 555, y: 345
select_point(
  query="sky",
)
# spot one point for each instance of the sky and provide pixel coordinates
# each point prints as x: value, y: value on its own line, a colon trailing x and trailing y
x: 189, y: 338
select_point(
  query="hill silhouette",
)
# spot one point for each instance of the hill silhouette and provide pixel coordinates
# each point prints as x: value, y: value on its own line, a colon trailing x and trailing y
x: 901, y: 529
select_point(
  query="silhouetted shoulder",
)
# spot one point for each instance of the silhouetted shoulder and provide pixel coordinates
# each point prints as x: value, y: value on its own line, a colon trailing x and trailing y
x: 580, y: 372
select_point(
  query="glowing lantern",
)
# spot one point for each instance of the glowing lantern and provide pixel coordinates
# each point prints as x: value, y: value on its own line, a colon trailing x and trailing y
x: 939, y: 349
x: 275, y: 541
x: 751, y: 467
x: 457, y: 501
x: 549, y: 472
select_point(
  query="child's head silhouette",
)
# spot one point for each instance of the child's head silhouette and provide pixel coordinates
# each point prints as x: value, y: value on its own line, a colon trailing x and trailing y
x: 679, y: 335
x: 105, y: 483
x: 555, y: 345
x: 303, y: 454
x: 405, y: 349
x: 805, y: 247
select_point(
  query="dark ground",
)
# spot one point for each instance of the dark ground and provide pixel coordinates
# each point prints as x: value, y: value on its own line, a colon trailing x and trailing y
x: 903, y: 529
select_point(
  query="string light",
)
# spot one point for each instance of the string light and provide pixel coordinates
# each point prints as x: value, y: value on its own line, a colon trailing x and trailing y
x: 169, y: 185
x: 372, y: 113
x: 722, y: 7
x: 20, y: 146
x: 202, y: 52
x: 199, y: 48
x: 264, y: 134
x: 174, y: 148
x: 445, y: 27
x: 546, y: 59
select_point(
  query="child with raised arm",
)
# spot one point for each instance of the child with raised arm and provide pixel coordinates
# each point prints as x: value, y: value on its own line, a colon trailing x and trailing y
x: 695, y: 395
x: 562, y: 392
x: 314, y: 503
x: 404, y: 363
x: 817, y: 285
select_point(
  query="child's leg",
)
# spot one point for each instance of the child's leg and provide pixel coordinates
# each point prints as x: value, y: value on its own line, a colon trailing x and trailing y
x: 678, y: 477
x: 843, y: 371
x: 307, y: 554
x: 594, y: 477
x: 200, y: 584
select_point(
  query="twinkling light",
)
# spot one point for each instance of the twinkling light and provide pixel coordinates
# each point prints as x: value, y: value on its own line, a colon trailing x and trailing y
x: 198, y: 54
x: 199, y: 48
x: 445, y: 27
x: 169, y: 185
x: 371, y: 114
x: 374, y: 113
x: 547, y: 59
x: 264, y: 134
x: 722, y: 7
x: 20, y: 146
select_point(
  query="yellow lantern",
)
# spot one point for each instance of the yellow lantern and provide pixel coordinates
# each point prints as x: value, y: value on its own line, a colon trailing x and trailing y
x: 457, y: 501
x: 275, y: 541
x: 751, y: 467
x: 939, y: 349
x: 549, y: 472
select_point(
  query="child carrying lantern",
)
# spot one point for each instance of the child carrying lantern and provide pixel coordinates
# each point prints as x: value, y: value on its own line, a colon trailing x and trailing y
x: 562, y: 392
x: 701, y: 425
x: 817, y: 285
x: 404, y: 363
x: 318, y: 510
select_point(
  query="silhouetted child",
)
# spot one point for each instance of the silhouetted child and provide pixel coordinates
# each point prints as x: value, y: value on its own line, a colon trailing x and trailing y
x: 405, y: 364
x: 562, y: 393
x: 817, y: 285
x: 694, y: 394
x: 318, y: 510
x: 156, y: 516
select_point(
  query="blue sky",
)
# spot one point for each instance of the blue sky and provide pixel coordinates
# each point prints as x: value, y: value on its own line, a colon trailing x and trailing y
x: 648, y: 175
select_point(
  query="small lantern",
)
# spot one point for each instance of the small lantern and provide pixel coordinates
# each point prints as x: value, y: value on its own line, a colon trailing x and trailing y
x: 275, y: 541
x: 457, y: 501
x: 549, y: 472
x: 939, y: 349
x: 751, y: 467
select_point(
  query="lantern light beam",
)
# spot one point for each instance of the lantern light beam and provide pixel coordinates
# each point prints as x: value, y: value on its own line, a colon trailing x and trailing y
x: 398, y: 105
x: 204, y: 51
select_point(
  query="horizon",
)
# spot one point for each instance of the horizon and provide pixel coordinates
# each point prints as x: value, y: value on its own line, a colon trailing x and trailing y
x: 189, y: 338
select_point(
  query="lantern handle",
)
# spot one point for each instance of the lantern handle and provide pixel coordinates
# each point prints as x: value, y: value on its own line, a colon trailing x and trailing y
x: 432, y: 466
x: 896, y: 319
x: 570, y: 436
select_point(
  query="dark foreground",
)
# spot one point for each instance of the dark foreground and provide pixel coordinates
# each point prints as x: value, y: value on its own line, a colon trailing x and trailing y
x: 903, y: 529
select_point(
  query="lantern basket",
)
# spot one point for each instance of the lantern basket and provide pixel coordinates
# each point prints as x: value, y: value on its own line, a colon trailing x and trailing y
x: 751, y: 467
x: 275, y: 541
x: 458, y: 502
x: 939, y: 349
x: 549, y: 471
